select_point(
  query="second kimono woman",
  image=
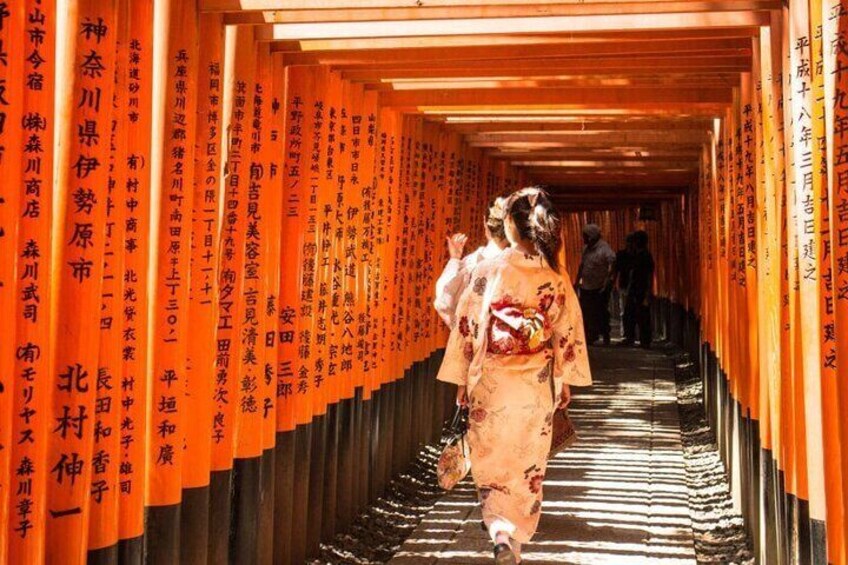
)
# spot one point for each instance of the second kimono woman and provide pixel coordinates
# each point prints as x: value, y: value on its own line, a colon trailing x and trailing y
x: 454, y: 277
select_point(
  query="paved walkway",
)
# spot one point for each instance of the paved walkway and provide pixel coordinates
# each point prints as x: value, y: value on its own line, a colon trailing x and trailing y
x: 618, y: 496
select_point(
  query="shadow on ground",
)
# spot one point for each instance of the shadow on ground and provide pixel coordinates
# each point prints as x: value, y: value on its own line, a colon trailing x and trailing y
x: 618, y: 496
x: 635, y: 489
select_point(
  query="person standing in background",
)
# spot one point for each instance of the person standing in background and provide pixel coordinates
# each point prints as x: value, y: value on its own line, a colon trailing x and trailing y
x: 621, y: 279
x: 593, y: 283
x: 640, y: 289
x: 456, y: 274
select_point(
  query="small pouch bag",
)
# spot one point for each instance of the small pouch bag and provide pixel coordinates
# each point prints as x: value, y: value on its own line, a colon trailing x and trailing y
x: 563, y: 434
x: 454, y: 462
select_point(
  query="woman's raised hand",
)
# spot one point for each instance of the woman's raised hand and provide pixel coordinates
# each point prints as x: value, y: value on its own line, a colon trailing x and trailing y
x: 456, y: 243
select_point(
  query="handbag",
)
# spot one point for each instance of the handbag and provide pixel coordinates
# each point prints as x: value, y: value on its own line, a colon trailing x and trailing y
x: 563, y: 434
x: 454, y: 461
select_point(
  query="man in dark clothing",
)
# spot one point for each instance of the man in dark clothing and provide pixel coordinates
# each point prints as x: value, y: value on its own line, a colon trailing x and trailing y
x: 621, y: 277
x: 640, y: 289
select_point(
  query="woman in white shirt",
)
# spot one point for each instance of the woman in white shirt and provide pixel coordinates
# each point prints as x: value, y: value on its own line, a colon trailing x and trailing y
x: 457, y: 272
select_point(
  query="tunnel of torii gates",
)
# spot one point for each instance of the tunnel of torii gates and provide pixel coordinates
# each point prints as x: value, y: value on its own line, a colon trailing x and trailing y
x: 221, y: 223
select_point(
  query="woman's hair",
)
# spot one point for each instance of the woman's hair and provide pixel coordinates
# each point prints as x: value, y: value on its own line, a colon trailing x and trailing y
x: 538, y: 221
x: 495, y: 218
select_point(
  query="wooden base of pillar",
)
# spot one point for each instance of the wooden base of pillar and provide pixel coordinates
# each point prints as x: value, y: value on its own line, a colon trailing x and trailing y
x: 163, y: 534
x: 194, y: 527
x: 284, y: 481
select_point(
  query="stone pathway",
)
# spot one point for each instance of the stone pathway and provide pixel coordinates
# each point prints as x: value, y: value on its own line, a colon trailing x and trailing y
x: 619, y: 496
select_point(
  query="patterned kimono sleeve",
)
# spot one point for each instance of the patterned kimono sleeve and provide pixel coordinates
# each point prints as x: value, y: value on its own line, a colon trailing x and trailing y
x: 449, y: 286
x: 460, y: 348
x: 571, y: 358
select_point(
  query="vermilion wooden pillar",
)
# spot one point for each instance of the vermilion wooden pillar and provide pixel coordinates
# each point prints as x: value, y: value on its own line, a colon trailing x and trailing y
x: 836, y: 86
x: 32, y: 368
x: 831, y: 410
x: 229, y: 289
x: 341, y: 299
x: 363, y: 154
x: 290, y: 454
x: 202, y: 350
x: 78, y: 269
x: 11, y: 33
x: 273, y: 84
x: 805, y: 170
x: 134, y: 310
x: 105, y: 464
x: 248, y: 173
x: 238, y: 108
x: 170, y: 306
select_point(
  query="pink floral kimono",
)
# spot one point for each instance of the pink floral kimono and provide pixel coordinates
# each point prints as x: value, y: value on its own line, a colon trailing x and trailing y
x: 516, y: 320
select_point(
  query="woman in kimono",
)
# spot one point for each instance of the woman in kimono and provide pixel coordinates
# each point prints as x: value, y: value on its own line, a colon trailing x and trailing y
x: 518, y: 327
x: 454, y: 278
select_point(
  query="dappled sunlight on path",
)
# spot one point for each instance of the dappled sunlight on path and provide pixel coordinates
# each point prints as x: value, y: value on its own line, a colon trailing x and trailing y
x: 618, y: 496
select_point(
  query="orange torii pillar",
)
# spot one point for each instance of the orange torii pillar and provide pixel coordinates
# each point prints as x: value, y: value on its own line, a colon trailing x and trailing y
x: 103, y: 523
x: 172, y: 194
x: 836, y: 114
x: 11, y: 137
x: 196, y: 512
x: 86, y: 119
x: 134, y: 310
x: 24, y: 400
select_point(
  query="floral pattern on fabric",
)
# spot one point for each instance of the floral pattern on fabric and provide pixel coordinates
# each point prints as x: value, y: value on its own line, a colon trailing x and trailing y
x: 468, y: 351
x: 463, y: 326
x: 478, y: 414
x: 505, y: 361
x: 545, y: 374
x: 452, y: 466
x: 480, y: 286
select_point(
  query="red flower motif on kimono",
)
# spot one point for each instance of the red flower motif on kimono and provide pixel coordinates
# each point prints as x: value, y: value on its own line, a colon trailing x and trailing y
x: 536, y: 507
x: 468, y: 351
x: 536, y: 483
x: 486, y: 490
x: 463, y: 326
x: 545, y: 302
x: 545, y: 374
x: 478, y: 414
x: 570, y: 354
x: 480, y: 285
x: 560, y: 300
x: 547, y: 428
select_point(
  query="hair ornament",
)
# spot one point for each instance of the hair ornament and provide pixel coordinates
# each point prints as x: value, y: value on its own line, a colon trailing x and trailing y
x: 498, y: 208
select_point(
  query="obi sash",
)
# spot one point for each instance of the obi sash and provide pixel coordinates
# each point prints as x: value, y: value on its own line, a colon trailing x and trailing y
x: 517, y: 330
